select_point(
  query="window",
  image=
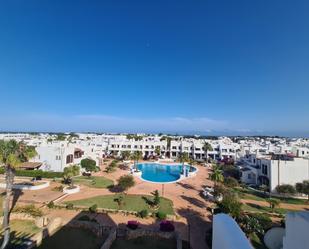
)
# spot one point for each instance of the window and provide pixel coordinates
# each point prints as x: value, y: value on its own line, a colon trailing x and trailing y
x: 174, y: 147
x: 264, y: 169
x: 58, y: 157
x: 249, y: 176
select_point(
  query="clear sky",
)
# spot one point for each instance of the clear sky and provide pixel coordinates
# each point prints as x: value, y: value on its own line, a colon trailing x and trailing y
x: 212, y: 67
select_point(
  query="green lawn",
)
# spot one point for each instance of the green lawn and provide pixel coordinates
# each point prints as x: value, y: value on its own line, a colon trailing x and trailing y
x: 72, y: 238
x: 21, y: 230
x: 94, y: 181
x: 146, y: 243
x: 130, y: 203
x: 258, y: 196
x: 263, y: 209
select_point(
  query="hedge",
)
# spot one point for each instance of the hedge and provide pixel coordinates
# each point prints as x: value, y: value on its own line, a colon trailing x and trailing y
x: 35, y: 173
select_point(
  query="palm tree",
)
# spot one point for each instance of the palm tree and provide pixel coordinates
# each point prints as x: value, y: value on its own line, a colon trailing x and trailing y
x: 158, y: 151
x: 12, y: 154
x: 125, y: 154
x: 273, y: 203
x: 207, y: 147
x: 136, y: 156
x: 217, y: 175
x: 183, y: 158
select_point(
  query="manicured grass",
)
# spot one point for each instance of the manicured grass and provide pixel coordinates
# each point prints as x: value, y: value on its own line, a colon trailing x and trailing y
x: 263, y: 209
x: 258, y: 196
x: 72, y: 238
x: 145, y: 242
x: 130, y: 203
x: 21, y: 230
x: 94, y: 181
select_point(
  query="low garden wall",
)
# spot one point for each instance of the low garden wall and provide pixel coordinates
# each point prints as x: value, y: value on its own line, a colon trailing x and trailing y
x: 69, y: 190
x: 44, y: 184
x: 110, y: 239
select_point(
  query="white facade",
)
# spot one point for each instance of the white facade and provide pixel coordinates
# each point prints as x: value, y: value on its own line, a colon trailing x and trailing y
x: 274, y: 170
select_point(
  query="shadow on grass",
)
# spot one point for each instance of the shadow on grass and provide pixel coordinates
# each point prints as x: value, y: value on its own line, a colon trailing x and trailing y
x: 115, y: 189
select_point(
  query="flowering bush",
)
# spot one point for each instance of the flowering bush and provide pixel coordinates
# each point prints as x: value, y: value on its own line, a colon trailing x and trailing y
x: 166, y: 226
x: 132, y: 224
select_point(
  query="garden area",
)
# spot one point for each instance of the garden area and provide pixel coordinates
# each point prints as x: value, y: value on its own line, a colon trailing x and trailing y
x: 21, y: 231
x: 72, y: 238
x: 135, y: 203
x: 94, y: 181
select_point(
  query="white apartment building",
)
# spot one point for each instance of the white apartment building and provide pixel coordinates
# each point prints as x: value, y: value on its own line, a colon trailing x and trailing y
x: 274, y: 170
x: 57, y: 156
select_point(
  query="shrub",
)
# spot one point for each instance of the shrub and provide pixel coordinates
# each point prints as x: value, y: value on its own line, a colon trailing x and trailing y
x: 303, y: 188
x: 125, y: 182
x: 51, y: 205
x: 166, y: 226
x: 286, y: 189
x: 251, y: 225
x: 69, y: 206
x: 93, y: 208
x: 132, y: 224
x: 161, y: 215
x: 30, y: 210
x: 58, y: 188
x: 264, y: 220
x: 88, y: 164
x: 143, y: 213
x: 230, y: 182
x: 230, y: 204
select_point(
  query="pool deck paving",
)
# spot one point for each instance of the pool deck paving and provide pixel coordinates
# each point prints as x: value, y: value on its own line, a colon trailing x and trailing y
x: 185, y: 194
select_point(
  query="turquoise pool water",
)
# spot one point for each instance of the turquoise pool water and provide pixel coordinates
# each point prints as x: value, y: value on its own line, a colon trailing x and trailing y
x: 162, y: 173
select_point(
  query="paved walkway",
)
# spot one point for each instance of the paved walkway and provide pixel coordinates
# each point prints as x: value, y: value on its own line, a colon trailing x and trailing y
x: 188, y: 203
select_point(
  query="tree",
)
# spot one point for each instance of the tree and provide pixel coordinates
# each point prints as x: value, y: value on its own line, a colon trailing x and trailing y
x: 88, y: 164
x: 216, y: 174
x: 125, y: 182
x: 120, y: 200
x: 286, y: 189
x: 136, y: 156
x: 61, y: 137
x: 183, y: 158
x: 158, y: 151
x: 230, y: 204
x: 207, y: 147
x: 69, y: 172
x: 273, y: 203
x: 156, y: 198
x: 12, y: 154
x: 125, y: 155
x: 303, y: 188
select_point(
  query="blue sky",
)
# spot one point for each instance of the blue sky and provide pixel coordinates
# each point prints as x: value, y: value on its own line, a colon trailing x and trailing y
x: 211, y: 67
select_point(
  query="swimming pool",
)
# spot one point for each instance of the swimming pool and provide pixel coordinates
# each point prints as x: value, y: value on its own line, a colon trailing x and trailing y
x: 163, y: 173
